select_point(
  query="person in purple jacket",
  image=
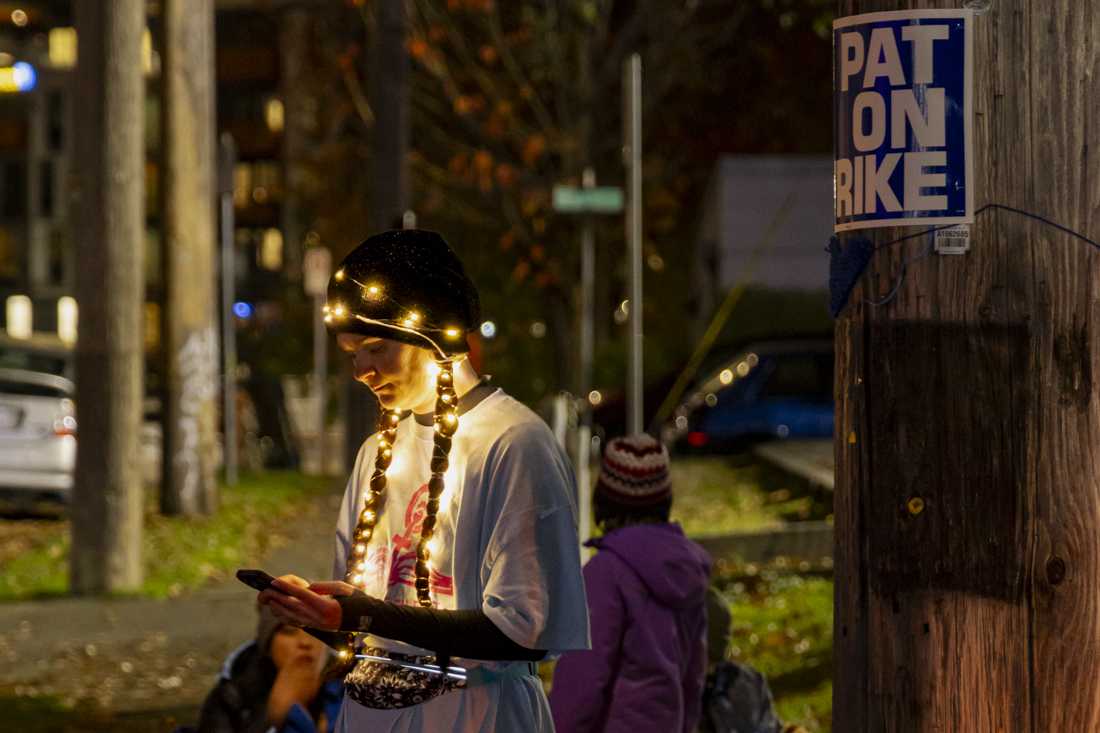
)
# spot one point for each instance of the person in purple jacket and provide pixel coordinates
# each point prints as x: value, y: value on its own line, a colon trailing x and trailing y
x: 646, y: 588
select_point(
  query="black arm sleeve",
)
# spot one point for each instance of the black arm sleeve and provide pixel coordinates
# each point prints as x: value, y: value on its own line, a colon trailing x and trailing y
x: 467, y: 634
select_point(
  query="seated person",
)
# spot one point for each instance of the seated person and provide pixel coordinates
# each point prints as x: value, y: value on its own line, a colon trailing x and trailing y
x: 273, y: 683
x: 736, y: 698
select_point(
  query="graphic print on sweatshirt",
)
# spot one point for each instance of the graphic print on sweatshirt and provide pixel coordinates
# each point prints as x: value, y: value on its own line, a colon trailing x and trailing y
x: 399, y: 554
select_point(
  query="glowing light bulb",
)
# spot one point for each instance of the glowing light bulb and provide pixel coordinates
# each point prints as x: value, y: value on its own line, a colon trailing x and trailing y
x: 450, y: 418
x: 433, y: 547
x: 360, y: 548
x: 361, y: 567
x: 356, y: 580
x: 726, y: 377
x: 432, y: 369
x: 328, y: 318
x: 372, y: 292
x: 339, y: 276
x: 344, y: 654
x: 452, y: 333
x: 338, y: 311
x: 368, y: 516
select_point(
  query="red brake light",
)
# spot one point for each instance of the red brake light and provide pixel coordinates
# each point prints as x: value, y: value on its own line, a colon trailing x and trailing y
x: 697, y: 439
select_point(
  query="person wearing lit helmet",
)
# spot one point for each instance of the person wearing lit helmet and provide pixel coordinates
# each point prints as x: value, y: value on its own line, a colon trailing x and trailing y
x: 457, y: 559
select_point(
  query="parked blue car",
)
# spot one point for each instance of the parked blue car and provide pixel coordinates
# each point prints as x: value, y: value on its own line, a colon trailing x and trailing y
x: 771, y: 390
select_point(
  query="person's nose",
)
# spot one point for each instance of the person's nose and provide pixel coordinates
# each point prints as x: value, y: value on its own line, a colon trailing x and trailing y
x: 364, y: 369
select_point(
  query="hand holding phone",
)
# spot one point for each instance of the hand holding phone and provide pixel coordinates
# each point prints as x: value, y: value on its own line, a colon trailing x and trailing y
x: 257, y: 579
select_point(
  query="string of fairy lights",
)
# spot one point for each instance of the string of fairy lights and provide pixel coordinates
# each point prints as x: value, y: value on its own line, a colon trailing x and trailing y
x: 411, y: 322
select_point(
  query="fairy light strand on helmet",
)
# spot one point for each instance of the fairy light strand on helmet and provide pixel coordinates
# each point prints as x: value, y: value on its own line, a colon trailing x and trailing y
x: 412, y: 321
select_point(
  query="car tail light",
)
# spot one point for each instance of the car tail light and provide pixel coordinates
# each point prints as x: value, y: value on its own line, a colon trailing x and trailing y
x: 64, y: 426
x: 697, y: 439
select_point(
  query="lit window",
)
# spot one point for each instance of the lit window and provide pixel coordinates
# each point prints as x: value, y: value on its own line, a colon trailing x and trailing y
x: 62, y: 45
x: 242, y: 184
x: 66, y: 319
x: 274, y: 114
x: 20, y: 314
x: 271, y: 250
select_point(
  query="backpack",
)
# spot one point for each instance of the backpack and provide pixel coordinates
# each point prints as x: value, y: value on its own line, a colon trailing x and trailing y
x: 737, y: 699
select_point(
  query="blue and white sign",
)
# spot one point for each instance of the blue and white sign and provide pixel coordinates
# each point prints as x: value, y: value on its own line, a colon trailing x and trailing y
x: 902, y: 96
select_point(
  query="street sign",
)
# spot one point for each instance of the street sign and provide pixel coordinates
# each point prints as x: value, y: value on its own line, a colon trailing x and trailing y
x: 596, y: 200
x: 902, y: 108
x: 316, y: 268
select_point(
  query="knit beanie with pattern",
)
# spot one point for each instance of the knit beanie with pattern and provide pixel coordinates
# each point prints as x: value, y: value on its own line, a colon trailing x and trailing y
x: 634, y: 471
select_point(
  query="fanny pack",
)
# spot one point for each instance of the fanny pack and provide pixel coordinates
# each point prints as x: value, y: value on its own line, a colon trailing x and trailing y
x: 385, y: 680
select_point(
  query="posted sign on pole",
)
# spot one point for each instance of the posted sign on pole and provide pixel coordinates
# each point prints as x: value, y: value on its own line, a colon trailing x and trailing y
x: 903, y: 90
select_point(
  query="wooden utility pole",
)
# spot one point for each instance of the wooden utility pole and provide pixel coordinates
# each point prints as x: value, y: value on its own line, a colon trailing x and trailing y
x: 389, y: 186
x: 967, y: 504
x: 189, y: 485
x: 295, y: 79
x: 110, y: 236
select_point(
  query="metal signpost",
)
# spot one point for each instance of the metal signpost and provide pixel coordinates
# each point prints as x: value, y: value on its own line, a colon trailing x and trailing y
x: 316, y: 268
x: 227, y: 160
x: 586, y: 201
x: 632, y: 158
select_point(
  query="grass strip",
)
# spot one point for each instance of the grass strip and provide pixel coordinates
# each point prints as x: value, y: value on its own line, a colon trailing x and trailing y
x: 182, y: 553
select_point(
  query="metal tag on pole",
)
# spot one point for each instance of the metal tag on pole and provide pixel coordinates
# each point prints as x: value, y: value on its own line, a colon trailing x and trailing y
x: 632, y: 159
x: 227, y: 161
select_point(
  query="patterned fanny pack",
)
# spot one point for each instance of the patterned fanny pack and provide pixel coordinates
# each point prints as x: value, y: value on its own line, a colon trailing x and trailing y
x: 384, y: 686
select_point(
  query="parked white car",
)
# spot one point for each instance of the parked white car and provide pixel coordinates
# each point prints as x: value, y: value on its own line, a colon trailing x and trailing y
x: 37, y: 435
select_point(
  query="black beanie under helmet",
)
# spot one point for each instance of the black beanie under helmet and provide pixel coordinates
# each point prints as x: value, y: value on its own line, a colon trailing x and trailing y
x: 406, y: 285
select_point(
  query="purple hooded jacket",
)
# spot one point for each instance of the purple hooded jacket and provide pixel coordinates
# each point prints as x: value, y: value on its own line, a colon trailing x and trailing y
x: 646, y: 590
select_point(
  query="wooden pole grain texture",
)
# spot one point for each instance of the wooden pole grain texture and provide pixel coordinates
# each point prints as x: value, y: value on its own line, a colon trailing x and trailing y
x: 190, y: 414
x: 975, y: 391
x: 109, y: 235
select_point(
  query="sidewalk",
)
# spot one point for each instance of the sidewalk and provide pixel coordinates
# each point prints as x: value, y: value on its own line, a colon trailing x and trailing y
x: 144, y: 654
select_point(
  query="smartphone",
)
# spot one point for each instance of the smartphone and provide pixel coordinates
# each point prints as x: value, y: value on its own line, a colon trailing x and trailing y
x: 257, y: 579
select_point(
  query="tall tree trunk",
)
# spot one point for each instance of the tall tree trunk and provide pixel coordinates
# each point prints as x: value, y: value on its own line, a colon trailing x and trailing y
x: 189, y: 485
x: 389, y: 182
x: 967, y: 509
x: 110, y: 232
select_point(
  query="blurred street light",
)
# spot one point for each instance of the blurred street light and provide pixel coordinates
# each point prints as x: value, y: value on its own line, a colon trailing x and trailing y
x: 19, y: 77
